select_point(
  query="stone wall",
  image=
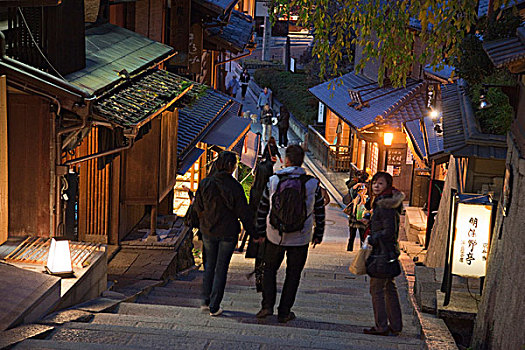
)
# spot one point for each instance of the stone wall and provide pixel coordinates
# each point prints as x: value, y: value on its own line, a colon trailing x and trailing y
x: 499, y: 323
x: 438, y: 239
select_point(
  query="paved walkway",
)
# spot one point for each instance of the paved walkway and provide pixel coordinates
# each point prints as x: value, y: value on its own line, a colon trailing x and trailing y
x: 332, y: 308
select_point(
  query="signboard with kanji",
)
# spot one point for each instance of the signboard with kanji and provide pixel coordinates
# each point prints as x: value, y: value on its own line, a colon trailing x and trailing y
x: 395, y: 156
x: 471, y: 240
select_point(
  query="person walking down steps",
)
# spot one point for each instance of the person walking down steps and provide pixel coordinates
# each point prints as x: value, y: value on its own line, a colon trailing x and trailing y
x: 266, y: 121
x: 297, y: 218
x: 265, y: 98
x: 233, y: 86
x: 283, y: 125
x: 244, y: 80
x: 219, y: 203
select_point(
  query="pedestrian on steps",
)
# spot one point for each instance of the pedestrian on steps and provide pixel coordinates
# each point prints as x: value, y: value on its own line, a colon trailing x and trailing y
x: 263, y: 172
x: 271, y: 151
x: 387, y: 204
x: 245, y: 79
x: 266, y: 121
x: 294, y: 201
x: 355, y: 200
x: 283, y: 124
x: 219, y: 203
x: 265, y: 98
x: 233, y: 86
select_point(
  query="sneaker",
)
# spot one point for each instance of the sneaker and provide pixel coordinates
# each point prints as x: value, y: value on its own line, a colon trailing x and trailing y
x: 263, y: 313
x: 216, y: 313
x: 284, y: 319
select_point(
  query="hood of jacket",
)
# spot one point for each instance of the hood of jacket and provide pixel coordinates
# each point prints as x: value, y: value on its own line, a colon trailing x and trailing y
x: 390, y: 201
x: 295, y: 170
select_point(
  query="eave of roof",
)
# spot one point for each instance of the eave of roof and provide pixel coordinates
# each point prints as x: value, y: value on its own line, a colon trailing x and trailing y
x: 461, y: 134
x: 506, y: 51
x: 336, y: 98
x: 236, y: 35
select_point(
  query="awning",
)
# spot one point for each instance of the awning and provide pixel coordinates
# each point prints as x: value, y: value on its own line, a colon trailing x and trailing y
x: 227, y: 132
x: 137, y: 102
x: 190, y: 159
x: 250, y: 149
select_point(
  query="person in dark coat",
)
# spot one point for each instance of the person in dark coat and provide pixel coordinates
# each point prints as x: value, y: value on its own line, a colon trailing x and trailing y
x: 266, y: 121
x: 387, y: 205
x: 283, y: 124
x: 219, y: 203
x: 263, y: 173
x: 271, y: 151
x: 244, y: 79
x: 356, y: 196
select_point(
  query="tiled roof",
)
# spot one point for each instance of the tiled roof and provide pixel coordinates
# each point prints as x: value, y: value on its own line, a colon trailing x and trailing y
x: 505, y: 51
x: 442, y: 75
x: 203, y: 113
x: 135, y: 103
x: 483, y: 7
x: 221, y: 6
x: 461, y: 136
x: 434, y: 140
x: 109, y: 50
x: 387, y: 99
x: 236, y: 35
x: 413, y: 109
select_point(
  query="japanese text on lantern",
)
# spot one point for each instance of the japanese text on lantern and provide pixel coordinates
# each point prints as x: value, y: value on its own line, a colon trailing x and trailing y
x: 471, y: 243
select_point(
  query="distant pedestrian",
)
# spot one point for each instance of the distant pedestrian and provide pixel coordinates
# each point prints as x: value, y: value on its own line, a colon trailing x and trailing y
x: 266, y: 121
x: 245, y: 79
x: 271, y: 151
x: 383, y: 264
x: 355, y: 200
x: 283, y: 124
x: 233, y: 86
x: 219, y: 203
x: 294, y: 201
x: 265, y: 98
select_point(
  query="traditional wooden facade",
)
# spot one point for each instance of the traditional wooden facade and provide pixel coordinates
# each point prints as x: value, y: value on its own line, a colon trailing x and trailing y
x: 358, y: 114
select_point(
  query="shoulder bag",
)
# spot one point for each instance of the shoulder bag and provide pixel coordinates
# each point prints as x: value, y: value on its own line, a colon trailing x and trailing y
x: 382, y: 265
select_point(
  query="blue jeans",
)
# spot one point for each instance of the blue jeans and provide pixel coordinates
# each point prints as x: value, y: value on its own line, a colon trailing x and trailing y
x: 218, y: 252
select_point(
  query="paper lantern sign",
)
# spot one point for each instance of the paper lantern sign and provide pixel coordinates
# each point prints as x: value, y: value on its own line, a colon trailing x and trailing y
x: 471, y: 240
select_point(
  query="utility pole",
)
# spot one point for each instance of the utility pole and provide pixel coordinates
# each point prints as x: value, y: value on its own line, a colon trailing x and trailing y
x: 266, y: 39
x: 286, y: 54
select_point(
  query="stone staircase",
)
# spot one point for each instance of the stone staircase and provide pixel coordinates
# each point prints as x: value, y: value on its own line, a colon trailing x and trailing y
x: 332, y: 308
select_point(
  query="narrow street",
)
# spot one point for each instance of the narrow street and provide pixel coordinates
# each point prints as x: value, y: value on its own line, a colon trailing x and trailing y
x: 332, y: 308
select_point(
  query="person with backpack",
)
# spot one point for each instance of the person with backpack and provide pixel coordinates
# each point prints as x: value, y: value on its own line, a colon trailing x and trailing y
x: 294, y: 203
x: 219, y: 204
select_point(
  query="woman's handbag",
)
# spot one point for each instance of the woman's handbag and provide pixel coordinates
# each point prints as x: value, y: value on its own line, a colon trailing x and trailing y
x: 382, y: 265
x: 349, y: 209
x: 358, y: 265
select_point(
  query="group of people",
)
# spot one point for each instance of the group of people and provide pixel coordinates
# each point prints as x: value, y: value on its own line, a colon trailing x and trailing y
x: 373, y: 210
x: 294, y: 203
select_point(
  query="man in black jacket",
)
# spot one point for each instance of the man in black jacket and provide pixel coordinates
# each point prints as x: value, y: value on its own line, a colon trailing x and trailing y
x: 219, y: 203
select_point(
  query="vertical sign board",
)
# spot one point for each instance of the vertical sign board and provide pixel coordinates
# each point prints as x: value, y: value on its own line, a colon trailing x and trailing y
x: 4, y: 217
x: 321, y: 113
x: 471, y: 241
x: 180, y: 14
x: 292, y: 64
x: 195, y: 48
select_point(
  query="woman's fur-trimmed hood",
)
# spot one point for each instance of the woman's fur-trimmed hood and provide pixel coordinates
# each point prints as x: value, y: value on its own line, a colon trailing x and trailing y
x: 390, y: 201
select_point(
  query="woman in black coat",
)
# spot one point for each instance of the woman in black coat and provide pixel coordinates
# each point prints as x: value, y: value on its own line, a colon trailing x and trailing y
x: 387, y: 204
x: 283, y: 124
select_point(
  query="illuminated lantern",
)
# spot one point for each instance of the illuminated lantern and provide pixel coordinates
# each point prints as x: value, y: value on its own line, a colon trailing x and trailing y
x: 470, y: 231
x: 59, y: 258
x: 388, y: 137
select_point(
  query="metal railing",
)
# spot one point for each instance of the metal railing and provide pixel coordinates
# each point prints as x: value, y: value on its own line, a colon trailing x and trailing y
x: 333, y: 157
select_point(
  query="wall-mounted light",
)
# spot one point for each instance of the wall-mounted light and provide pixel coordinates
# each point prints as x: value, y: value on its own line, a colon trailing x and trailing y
x: 434, y: 114
x: 59, y: 259
x: 388, y: 137
x: 483, y: 102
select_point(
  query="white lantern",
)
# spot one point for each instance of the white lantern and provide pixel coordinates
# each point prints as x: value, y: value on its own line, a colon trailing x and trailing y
x: 59, y: 258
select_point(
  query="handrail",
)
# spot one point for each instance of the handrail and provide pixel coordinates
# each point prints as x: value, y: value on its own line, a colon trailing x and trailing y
x: 333, y: 157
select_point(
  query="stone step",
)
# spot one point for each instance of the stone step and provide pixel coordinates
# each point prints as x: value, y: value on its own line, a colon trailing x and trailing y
x: 209, y: 337
x: 240, y: 325
x: 40, y: 344
x: 357, y: 317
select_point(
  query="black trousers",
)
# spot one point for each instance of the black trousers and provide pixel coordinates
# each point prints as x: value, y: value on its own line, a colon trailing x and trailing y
x: 295, y: 261
x: 283, y: 137
x: 385, y: 300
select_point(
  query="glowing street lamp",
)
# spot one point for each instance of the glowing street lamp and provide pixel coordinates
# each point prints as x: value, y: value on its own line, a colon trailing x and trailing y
x: 388, y: 137
x: 59, y: 258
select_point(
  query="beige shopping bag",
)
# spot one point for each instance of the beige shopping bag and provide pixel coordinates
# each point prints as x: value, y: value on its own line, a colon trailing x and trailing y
x: 358, y: 266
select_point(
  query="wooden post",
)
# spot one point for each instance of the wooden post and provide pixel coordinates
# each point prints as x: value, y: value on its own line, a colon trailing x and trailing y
x: 4, y: 204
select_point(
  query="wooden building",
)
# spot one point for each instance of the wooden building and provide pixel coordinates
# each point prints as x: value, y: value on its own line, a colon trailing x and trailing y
x: 357, y: 115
